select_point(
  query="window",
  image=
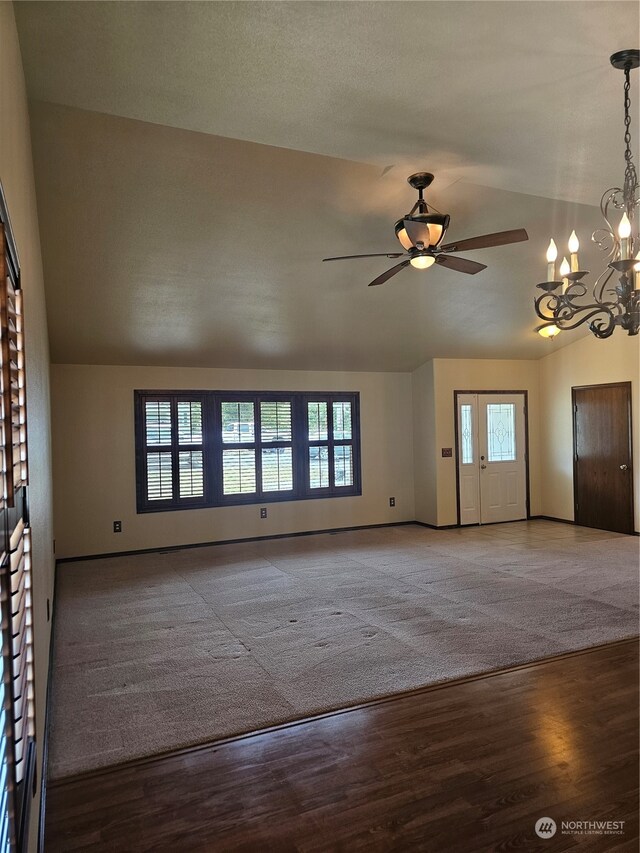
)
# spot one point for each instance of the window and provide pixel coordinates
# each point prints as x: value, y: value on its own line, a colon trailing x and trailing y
x: 173, y: 434
x: 501, y: 432
x: 466, y: 433
x: 330, y: 436
x: 219, y: 448
x: 17, y: 706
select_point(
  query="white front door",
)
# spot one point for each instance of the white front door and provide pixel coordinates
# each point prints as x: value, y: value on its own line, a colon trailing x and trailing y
x: 491, y: 458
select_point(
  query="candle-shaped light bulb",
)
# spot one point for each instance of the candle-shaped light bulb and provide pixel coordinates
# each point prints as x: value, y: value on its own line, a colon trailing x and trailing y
x: 636, y: 273
x: 552, y: 254
x: 624, y: 232
x: 574, y: 245
x: 624, y: 229
x: 565, y: 269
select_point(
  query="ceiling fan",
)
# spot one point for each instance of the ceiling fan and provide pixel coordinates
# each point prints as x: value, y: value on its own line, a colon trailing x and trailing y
x: 421, y: 233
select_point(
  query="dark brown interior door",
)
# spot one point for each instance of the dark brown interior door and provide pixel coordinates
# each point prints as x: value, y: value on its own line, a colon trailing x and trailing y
x: 602, y: 468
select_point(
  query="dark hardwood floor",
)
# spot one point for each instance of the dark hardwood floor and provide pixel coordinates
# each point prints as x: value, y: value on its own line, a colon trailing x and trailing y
x: 465, y: 767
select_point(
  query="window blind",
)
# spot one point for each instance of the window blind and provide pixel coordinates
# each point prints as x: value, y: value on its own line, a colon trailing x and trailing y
x: 6, y: 732
x: 17, y: 700
x: 13, y: 389
x: 331, y: 445
x: 21, y: 645
x: 219, y: 448
x: 170, y: 438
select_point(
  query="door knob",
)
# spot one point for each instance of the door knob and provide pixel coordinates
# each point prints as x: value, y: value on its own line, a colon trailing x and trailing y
x: 623, y: 467
x: 484, y: 466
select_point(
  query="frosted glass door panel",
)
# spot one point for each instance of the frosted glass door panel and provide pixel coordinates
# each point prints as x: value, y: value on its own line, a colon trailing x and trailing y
x: 468, y: 470
x: 501, y: 432
x: 467, y: 438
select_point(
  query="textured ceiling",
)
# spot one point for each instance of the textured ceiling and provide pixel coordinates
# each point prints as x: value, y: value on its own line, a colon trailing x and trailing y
x: 167, y: 243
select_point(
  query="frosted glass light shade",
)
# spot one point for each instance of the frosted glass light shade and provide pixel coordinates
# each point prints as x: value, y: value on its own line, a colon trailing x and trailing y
x: 549, y: 331
x: 422, y: 262
x: 437, y: 223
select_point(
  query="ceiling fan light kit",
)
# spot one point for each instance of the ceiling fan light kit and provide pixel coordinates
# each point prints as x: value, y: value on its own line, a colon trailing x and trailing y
x: 421, y: 232
x: 410, y: 230
x: 561, y: 304
x: 422, y: 262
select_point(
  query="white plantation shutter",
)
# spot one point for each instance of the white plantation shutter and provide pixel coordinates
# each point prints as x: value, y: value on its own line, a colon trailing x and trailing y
x: 257, y: 447
x: 18, y: 391
x: 223, y: 448
x: 331, y: 452
x: 21, y: 644
x: 239, y: 461
x: 13, y: 389
x: 276, y: 429
x: 17, y: 703
x: 158, y: 429
x: 190, y: 448
x: 171, y: 439
x: 7, y: 759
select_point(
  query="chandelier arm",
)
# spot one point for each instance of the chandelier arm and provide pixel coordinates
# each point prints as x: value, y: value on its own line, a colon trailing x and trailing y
x: 602, y: 330
x: 604, y: 326
x: 614, y: 196
x: 545, y: 302
x: 556, y: 310
x: 575, y: 291
x: 553, y: 307
x: 599, y: 286
x: 548, y: 307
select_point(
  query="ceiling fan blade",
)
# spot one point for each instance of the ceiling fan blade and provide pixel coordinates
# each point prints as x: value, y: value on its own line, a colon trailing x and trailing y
x: 460, y: 264
x: 418, y: 232
x: 379, y: 255
x: 387, y: 275
x: 500, y: 238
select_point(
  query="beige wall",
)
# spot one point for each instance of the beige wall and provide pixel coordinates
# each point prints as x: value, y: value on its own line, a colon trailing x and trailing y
x: 94, y: 458
x: 424, y: 442
x: 588, y: 361
x: 17, y: 178
x: 480, y: 375
x: 94, y: 444
x: 548, y: 382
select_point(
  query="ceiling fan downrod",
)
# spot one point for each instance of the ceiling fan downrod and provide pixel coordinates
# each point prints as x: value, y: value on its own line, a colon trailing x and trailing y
x: 420, y: 181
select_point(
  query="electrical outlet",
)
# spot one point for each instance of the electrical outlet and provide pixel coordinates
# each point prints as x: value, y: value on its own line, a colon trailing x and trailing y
x: 263, y: 512
x: 392, y: 501
x: 117, y: 527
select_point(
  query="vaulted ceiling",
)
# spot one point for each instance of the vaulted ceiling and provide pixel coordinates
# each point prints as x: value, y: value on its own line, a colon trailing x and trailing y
x: 195, y: 161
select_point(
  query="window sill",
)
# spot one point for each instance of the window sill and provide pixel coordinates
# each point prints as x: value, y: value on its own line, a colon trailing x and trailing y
x: 350, y: 493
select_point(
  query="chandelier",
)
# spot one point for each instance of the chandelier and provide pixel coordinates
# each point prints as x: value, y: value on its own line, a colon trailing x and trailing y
x: 562, y: 305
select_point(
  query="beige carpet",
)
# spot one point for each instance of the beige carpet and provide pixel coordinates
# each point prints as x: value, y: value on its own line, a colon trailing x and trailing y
x: 159, y: 651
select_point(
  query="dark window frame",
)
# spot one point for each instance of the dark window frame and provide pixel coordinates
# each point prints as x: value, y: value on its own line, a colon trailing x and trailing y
x: 213, y: 446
